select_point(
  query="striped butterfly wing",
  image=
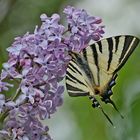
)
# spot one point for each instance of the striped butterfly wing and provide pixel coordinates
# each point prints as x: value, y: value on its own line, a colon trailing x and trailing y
x: 91, y: 71
x: 76, y: 77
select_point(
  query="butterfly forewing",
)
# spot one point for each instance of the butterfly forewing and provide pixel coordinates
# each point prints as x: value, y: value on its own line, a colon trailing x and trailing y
x: 76, y: 81
x: 98, y: 63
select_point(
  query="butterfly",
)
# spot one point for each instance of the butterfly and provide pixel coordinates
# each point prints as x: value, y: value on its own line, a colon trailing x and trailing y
x: 93, y: 71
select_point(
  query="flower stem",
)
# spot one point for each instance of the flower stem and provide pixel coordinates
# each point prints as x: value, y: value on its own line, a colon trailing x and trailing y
x: 5, y: 114
x: 16, y: 95
x: 65, y: 32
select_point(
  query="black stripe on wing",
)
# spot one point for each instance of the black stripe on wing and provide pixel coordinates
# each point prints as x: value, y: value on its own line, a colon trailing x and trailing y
x: 95, y: 55
x: 73, y: 68
x: 130, y: 44
x: 110, y: 49
x: 75, y: 83
x: 82, y: 63
x: 116, y: 42
x: 73, y: 79
x: 100, y: 45
x: 127, y: 41
x: 75, y: 91
x: 87, y: 67
x: 70, y: 79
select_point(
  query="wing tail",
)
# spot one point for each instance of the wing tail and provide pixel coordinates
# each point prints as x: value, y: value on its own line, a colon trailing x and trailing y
x: 95, y: 104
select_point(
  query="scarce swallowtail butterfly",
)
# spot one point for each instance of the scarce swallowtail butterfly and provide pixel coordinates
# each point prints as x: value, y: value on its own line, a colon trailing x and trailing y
x: 93, y: 71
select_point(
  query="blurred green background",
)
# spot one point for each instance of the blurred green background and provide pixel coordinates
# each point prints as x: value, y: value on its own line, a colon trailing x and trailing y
x: 76, y: 119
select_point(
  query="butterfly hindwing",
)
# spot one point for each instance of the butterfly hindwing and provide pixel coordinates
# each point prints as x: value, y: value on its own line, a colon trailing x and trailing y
x: 98, y: 64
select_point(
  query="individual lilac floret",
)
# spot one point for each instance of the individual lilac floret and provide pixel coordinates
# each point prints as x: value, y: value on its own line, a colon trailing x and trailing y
x: 2, y: 102
x: 4, y: 86
x: 83, y: 27
x: 5, y: 105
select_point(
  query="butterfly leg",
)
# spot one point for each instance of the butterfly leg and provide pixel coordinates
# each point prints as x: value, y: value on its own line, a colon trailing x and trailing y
x: 95, y: 104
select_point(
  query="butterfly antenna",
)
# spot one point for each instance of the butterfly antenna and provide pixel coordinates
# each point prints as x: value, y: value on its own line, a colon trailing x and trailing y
x: 113, y: 104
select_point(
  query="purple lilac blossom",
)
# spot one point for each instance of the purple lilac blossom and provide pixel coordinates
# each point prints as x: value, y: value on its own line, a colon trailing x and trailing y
x: 83, y: 28
x: 38, y: 62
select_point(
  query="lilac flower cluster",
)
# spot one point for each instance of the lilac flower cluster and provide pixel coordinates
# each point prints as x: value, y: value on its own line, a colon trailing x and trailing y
x: 82, y: 27
x: 37, y: 64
